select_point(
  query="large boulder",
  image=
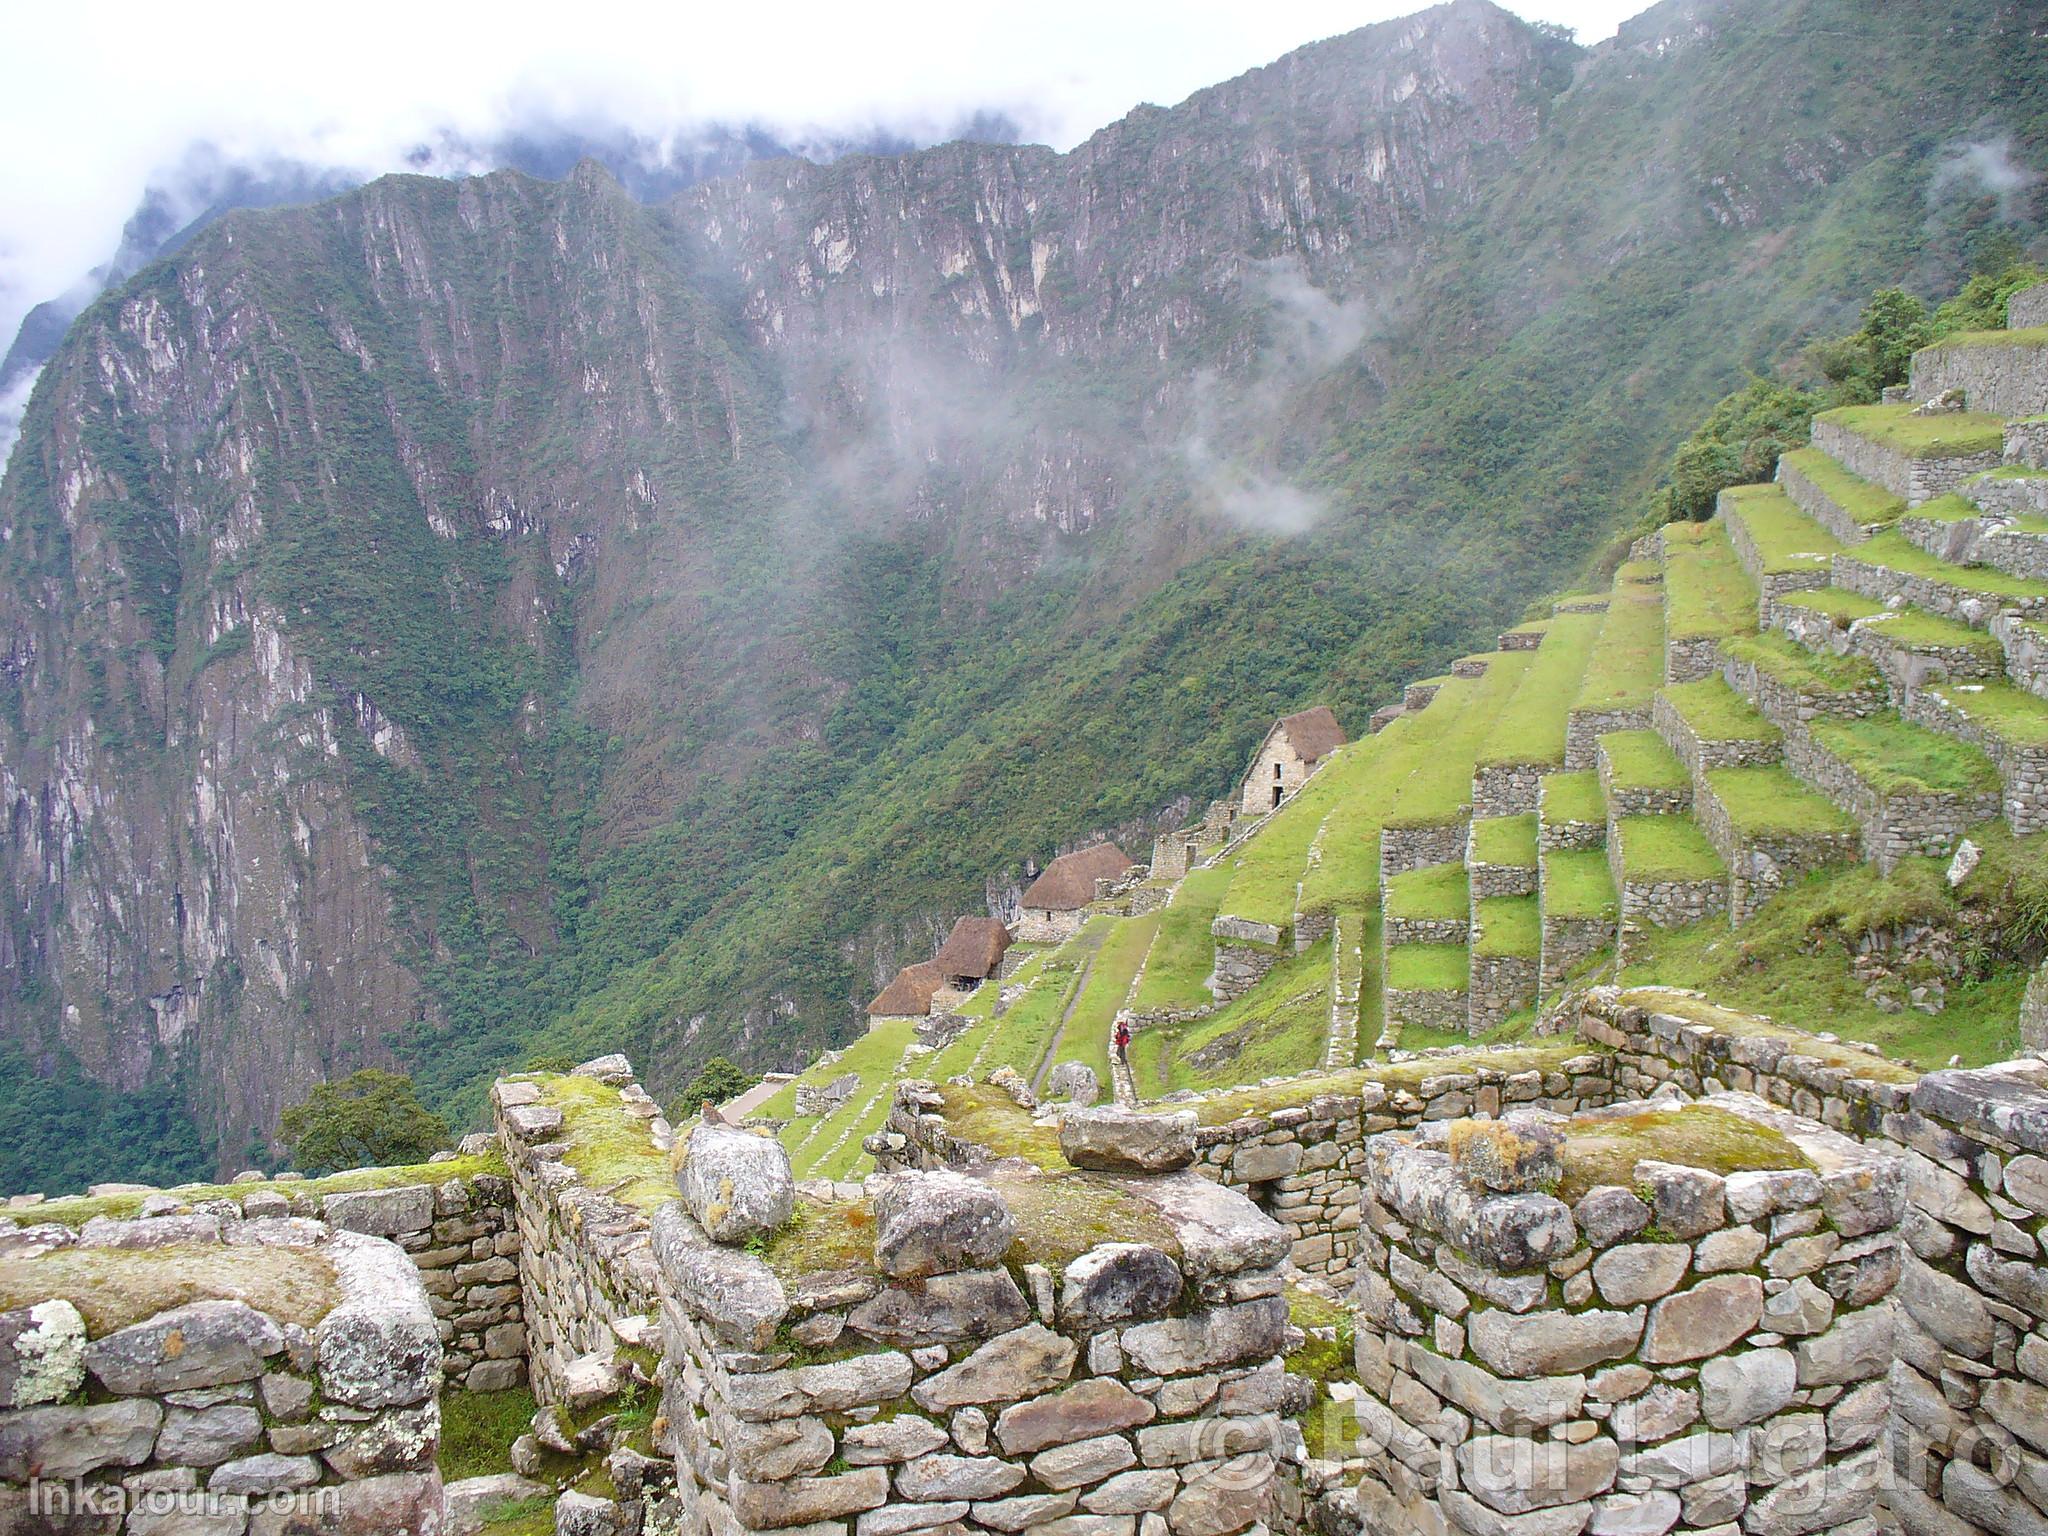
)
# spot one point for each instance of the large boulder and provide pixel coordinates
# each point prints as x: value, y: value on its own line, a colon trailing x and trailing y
x: 203, y: 1344
x: 1074, y: 1081
x: 736, y: 1184
x: 1116, y: 1283
x: 1125, y: 1141
x: 939, y: 1223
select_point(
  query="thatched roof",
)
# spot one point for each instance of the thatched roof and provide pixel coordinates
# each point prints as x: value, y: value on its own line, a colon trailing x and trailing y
x: 910, y: 994
x: 1069, y: 880
x: 974, y: 948
x: 1313, y: 733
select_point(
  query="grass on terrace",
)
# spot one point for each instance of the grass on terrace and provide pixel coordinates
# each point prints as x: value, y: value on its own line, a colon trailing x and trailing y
x: 1086, y: 1035
x: 1868, y: 504
x: 1912, y: 629
x: 609, y: 1149
x: 1953, y: 434
x: 1640, y: 760
x: 1894, y: 552
x: 1509, y: 841
x: 1508, y: 925
x: 1531, y: 729
x: 1765, y: 801
x: 1541, y: 1056
x: 1271, y: 861
x: 1805, y: 672
x: 1839, y: 604
x: 1578, y: 884
x: 1895, y: 757
x: 1281, y: 1026
x: 1707, y: 594
x: 814, y: 1142
x: 1183, y: 954
x: 1794, y: 961
x: 1027, y: 1026
x: 1716, y: 712
x: 1571, y: 798
x: 1666, y: 848
x: 1438, y: 891
x: 2011, y: 714
x: 1428, y: 968
x: 1440, y: 789
x: 1786, y: 539
x: 1750, y: 1026
x: 1946, y: 509
x: 2031, y: 336
x: 1627, y: 662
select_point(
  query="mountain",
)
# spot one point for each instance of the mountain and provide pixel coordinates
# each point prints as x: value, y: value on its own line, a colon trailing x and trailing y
x: 462, y: 619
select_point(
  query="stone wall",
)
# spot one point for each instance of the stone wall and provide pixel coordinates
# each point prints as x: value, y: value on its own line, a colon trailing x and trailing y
x: 1425, y: 1009
x: 584, y: 1256
x: 315, y: 1412
x: 2006, y: 379
x: 1671, y: 903
x: 1951, y: 597
x: 1818, y: 505
x: 1501, y: 984
x: 1917, y: 480
x: 2023, y: 769
x: 1894, y: 827
x: 1641, y: 799
x: 1769, y: 584
x: 1688, y: 658
x: 1991, y: 539
x: 1507, y: 789
x: 2027, y: 308
x: 1787, y: 708
x: 2026, y: 443
x: 1426, y: 930
x: 2026, y: 652
x: 944, y: 1388
x: 1679, y: 1353
x: 1584, y: 728
x: 2034, y: 1013
x: 1569, y: 942
x: 1760, y: 866
x: 1244, y: 954
x: 1701, y: 754
x: 1488, y: 880
x: 1407, y: 848
x: 1969, y: 1347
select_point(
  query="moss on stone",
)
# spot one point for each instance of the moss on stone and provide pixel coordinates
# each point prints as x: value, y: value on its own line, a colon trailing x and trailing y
x: 609, y: 1149
x: 1060, y: 1216
x: 991, y: 1119
x: 1604, y: 1148
x: 821, y: 1236
x: 116, y: 1287
x: 1243, y: 1103
x: 1730, y: 1021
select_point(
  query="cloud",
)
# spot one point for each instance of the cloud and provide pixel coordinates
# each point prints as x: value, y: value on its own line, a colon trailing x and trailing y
x: 1984, y: 168
x: 99, y: 100
x: 14, y: 401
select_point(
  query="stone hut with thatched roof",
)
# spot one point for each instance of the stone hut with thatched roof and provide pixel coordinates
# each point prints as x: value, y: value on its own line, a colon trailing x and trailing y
x: 1053, y: 902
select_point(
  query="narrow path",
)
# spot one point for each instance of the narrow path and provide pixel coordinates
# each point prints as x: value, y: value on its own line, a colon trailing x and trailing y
x: 1342, y: 1050
x: 1052, y: 1046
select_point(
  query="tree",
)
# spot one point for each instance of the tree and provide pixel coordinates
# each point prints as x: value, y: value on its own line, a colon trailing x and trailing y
x: 1738, y: 444
x: 1876, y: 355
x: 718, y: 1081
x: 369, y: 1118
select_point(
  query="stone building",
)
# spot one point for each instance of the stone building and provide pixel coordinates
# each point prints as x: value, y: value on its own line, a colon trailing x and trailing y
x: 909, y: 994
x: 1293, y: 749
x: 1053, y: 902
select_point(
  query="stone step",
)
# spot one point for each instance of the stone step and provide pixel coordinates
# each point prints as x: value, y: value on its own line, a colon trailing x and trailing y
x: 1427, y: 906
x: 1781, y: 548
x: 1506, y: 959
x: 2011, y: 490
x: 2026, y: 652
x: 1666, y: 872
x: 1960, y: 532
x: 1788, y: 683
x: 1500, y: 856
x: 1908, y: 645
x: 1571, y: 812
x: 1890, y: 566
x: 1846, y: 505
x: 2026, y: 443
x: 1915, y: 457
x: 1911, y: 791
x: 1641, y: 776
x: 1578, y: 910
x: 2008, y: 725
x: 2002, y: 372
x: 1425, y: 986
x: 1709, y: 725
x: 1770, y: 829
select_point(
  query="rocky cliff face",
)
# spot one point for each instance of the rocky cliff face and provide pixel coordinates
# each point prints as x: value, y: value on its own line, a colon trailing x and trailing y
x: 461, y: 616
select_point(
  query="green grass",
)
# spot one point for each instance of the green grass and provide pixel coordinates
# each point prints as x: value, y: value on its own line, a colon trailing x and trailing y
x: 2032, y: 336
x: 1627, y: 662
x: 1572, y: 797
x: 1865, y: 503
x: 1914, y: 629
x: 1440, y: 790
x: 874, y: 1058
x: 1949, y: 435
x: 1795, y: 960
x: 1086, y: 1036
x: 1270, y: 863
x: 1764, y: 801
x: 1508, y: 925
x: 1531, y: 729
x: 1897, y: 758
x: 1640, y: 760
x: 1836, y: 603
x: 2011, y: 714
x: 1805, y: 672
x: 1428, y: 968
x: 1666, y: 848
x: 1183, y: 953
x: 1749, y: 1026
x: 1786, y: 539
x: 1947, y: 509
x: 1027, y: 1027
x: 1603, y: 1146
x: 1707, y: 594
x: 1509, y: 841
x: 1438, y: 891
x: 478, y: 1428
x: 1280, y: 1026
x: 1716, y: 712
x: 1895, y: 552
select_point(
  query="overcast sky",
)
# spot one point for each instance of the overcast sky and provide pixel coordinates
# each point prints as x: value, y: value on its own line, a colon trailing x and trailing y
x: 96, y: 98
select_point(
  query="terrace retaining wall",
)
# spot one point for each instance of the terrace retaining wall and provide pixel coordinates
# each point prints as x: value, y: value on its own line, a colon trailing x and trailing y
x: 1916, y: 480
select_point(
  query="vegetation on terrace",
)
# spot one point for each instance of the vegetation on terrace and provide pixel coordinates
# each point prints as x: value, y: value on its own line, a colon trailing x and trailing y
x: 1895, y: 552
x: 1428, y: 967
x: 1436, y: 891
x: 1953, y: 434
x: 1895, y: 757
x: 1707, y: 594
x: 1509, y: 841
x: 1627, y: 662
x: 1281, y: 1026
x: 1441, y: 795
x: 1762, y: 801
x: 1531, y: 729
x: 1177, y: 966
x: 1571, y: 798
x: 1795, y: 667
x: 2010, y: 714
x: 1870, y: 505
x: 1507, y: 926
x: 1716, y: 712
x: 1785, y: 539
x: 1640, y: 760
x: 1666, y: 848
